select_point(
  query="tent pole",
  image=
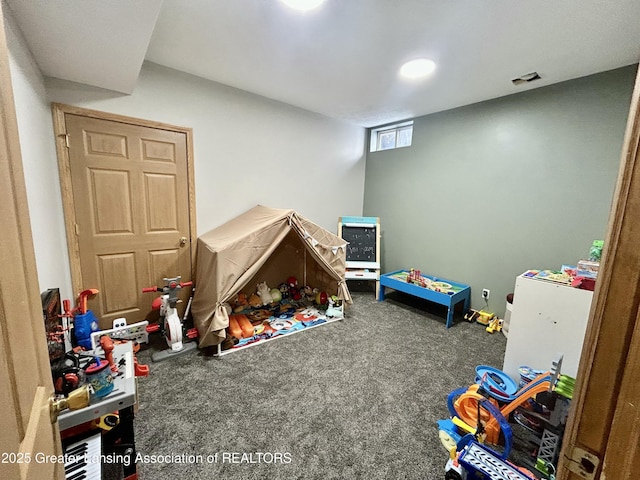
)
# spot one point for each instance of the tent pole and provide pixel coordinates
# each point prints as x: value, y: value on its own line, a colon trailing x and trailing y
x: 305, y: 265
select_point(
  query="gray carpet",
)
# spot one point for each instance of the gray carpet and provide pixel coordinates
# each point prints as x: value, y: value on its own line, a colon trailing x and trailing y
x: 358, y: 398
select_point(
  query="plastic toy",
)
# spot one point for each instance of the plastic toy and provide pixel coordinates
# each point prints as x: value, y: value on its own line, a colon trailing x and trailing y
x: 67, y: 374
x: 491, y: 383
x: 84, y: 321
x: 495, y: 325
x: 496, y: 383
x: 335, y: 308
x: 322, y: 298
x: 136, y: 332
x: 100, y: 377
x: 107, y: 345
x: 473, y: 460
x: 540, y: 403
x: 480, y: 316
x: 595, y: 252
x: 170, y: 325
x: 465, y: 406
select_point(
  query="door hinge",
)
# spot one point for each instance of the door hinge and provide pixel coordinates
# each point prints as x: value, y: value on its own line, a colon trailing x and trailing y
x: 582, y: 463
x: 65, y: 138
x: 77, y: 229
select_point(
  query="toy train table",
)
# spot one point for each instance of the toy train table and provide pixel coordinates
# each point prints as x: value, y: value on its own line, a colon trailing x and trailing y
x: 437, y: 290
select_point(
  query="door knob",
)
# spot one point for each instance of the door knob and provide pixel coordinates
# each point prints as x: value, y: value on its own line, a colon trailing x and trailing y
x: 183, y: 241
x: 77, y: 399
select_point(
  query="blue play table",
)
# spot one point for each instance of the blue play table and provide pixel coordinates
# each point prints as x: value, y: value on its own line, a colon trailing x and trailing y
x: 457, y: 292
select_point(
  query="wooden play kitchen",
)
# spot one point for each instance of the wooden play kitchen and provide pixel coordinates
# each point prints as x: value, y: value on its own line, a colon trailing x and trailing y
x: 437, y: 290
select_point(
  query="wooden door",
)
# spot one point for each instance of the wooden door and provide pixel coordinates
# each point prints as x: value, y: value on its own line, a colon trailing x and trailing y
x: 603, y: 433
x: 26, y: 433
x: 130, y: 208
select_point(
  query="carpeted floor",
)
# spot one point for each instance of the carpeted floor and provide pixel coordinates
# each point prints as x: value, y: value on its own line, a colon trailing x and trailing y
x: 358, y: 398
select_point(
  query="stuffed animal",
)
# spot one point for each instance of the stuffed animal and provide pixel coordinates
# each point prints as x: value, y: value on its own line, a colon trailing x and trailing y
x: 307, y: 294
x: 240, y: 303
x: 265, y: 293
x: 254, y: 300
x: 276, y: 294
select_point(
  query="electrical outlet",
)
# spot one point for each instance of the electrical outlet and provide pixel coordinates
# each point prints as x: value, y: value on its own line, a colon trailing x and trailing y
x: 485, y: 293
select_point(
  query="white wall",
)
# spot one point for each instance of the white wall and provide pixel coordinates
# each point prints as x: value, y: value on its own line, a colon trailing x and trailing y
x: 248, y: 150
x: 40, y: 164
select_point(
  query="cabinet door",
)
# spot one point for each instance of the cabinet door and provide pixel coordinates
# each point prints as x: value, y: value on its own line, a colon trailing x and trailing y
x: 547, y: 319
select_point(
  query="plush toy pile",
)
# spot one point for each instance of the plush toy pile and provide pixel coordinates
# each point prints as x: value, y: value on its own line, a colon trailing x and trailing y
x: 269, y: 312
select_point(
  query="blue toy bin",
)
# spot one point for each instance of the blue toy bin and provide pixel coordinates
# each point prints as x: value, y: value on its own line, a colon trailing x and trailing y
x: 84, y: 325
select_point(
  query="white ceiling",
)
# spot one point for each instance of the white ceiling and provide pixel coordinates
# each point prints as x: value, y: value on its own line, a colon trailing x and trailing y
x: 341, y: 59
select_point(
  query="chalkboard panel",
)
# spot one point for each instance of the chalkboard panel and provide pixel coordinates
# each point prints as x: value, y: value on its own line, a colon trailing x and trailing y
x: 362, y: 243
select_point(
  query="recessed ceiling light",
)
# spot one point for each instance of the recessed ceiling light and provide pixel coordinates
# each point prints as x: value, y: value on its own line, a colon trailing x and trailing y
x: 303, y: 5
x: 419, y: 68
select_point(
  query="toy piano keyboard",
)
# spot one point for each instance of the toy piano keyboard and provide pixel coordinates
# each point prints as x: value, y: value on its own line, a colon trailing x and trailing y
x: 477, y: 458
x: 82, y: 459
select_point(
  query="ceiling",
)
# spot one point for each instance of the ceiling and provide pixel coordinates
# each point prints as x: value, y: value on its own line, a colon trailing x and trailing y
x: 341, y: 59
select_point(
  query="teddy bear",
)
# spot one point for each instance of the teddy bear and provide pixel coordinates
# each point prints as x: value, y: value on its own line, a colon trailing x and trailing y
x: 240, y: 303
x: 254, y: 300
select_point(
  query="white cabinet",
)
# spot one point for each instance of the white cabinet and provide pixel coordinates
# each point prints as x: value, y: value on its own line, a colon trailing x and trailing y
x: 547, y: 319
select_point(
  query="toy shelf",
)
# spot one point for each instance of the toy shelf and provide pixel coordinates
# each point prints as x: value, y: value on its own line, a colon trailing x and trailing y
x: 454, y: 294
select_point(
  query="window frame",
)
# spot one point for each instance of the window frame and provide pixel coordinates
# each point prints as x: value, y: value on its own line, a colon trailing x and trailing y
x: 377, y: 134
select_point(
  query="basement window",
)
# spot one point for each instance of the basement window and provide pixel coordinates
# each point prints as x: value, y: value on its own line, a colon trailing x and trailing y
x: 391, y: 136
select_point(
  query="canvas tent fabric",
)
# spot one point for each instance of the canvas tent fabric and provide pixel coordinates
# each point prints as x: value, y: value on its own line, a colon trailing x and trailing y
x: 259, y: 245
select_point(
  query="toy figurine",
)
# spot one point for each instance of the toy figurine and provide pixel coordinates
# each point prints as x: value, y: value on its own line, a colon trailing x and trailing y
x: 335, y: 309
x: 284, y: 290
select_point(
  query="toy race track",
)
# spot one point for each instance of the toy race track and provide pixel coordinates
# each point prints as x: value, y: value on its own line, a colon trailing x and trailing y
x: 466, y: 405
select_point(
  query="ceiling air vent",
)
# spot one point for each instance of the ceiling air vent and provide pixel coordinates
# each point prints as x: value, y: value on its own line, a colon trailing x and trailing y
x: 529, y: 77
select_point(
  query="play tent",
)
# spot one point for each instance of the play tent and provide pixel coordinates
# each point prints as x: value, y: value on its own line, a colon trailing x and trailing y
x: 262, y: 244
